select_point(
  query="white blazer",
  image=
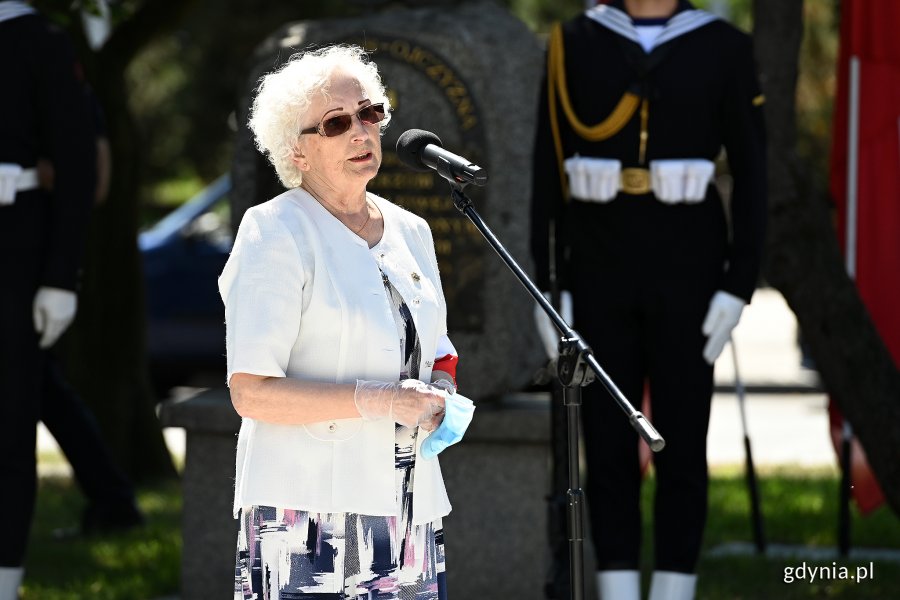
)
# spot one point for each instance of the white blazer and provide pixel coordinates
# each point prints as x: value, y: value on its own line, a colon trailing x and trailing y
x: 304, y: 299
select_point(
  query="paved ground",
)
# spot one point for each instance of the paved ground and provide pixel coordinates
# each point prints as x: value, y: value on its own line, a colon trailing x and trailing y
x: 788, y: 423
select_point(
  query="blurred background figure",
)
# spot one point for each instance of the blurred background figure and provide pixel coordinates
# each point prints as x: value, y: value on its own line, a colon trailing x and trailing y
x: 635, y: 110
x: 111, y: 499
x: 41, y: 239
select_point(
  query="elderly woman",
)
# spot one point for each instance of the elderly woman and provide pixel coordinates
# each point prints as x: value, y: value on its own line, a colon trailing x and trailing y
x: 335, y: 319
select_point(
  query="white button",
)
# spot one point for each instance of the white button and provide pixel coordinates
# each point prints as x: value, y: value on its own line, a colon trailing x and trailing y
x: 417, y: 300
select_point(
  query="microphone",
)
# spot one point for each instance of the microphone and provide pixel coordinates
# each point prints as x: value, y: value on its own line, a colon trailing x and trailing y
x: 422, y: 150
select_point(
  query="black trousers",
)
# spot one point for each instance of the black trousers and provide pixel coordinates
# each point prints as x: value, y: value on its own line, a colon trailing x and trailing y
x: 21, y: 364
x: 643, y: 275
x: 78, y: 435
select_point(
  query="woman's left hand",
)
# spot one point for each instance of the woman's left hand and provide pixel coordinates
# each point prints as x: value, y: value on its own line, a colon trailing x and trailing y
x: 409, y: 402
x: 421, y: 402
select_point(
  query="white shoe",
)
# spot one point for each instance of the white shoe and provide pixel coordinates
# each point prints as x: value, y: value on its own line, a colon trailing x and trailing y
x: 10, y: 578
x: 619, y: 585
x: 669, y: 585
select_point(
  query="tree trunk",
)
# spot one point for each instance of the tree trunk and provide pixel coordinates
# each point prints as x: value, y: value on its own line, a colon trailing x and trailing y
x: 107, y: 358
x: 804, y: 262
x: 109, y: 366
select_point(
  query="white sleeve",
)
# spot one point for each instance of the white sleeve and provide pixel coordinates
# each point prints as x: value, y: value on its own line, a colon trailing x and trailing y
x: 261, y: 286
x: 445, y: 347
x: 432, y: 256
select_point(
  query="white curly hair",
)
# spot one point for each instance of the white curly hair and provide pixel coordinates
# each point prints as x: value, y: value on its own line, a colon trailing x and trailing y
x: 284, y: 96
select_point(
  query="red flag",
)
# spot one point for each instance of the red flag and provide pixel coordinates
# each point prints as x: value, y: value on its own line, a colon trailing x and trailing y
x: 865, y: 169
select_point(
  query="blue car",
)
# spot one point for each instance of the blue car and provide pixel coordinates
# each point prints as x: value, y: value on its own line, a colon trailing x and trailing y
x: 183, y: 255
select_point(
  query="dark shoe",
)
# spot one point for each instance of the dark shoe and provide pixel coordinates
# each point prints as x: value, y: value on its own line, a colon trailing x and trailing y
x: 110, y: 519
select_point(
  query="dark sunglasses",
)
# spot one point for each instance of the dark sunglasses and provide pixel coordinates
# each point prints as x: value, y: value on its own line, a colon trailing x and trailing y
x: 332, y: 126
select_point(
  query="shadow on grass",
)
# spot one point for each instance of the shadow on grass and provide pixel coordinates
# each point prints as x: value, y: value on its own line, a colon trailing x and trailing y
x: 800, y: 510
x: 799, y: 507
x: 143, y: 563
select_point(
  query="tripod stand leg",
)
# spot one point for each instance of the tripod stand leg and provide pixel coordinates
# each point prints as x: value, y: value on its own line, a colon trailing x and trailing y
x: 575, y: 495
x: 557, y: 585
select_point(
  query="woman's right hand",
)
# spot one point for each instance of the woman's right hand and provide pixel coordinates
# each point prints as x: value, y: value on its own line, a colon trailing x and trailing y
x: 409, y: 402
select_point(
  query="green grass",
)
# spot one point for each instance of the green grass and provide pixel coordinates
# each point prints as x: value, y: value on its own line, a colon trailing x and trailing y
x: 799, y: 507
x: 140, y: 564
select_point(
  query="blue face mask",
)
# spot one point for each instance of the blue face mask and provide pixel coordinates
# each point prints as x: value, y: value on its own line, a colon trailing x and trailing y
x: 457, y: 416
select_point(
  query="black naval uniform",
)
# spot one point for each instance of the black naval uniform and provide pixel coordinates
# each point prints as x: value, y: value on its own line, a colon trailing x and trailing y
x: 44, y: 114
x: 642, y: 272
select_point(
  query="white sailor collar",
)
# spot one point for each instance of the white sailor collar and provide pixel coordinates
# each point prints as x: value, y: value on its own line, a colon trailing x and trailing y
x: 618, y: 21
x: 12, y: 9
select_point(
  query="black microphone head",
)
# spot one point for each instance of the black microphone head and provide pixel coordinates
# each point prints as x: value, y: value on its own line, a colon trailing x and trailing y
x: 411, y: 143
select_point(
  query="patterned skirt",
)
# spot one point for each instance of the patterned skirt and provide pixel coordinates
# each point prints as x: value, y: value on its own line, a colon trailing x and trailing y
x: 286, y: 554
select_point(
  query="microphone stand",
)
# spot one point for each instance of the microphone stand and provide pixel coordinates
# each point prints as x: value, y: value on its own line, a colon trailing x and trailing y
x: 576, y: 367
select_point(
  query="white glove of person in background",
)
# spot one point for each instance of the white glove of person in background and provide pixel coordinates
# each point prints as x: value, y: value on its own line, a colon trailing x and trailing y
x: 723, y: 316
x: 409, y: 402
x: 53, y: 311
x: 546, y: 329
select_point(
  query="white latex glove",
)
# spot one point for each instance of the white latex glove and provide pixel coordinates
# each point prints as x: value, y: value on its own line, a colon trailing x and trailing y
x: 409, y: 402
x: 53, y: 311
x: 444, y: 385
x: 546, y: 329
x: 723, y: 315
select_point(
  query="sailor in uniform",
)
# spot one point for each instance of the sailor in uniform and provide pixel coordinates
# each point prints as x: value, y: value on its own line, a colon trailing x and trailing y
x: 640, y: 98
x: 41, y: 238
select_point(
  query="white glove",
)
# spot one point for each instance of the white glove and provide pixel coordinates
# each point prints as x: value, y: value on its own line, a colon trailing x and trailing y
x: 409, y: 402
x: 53, y: 311
x: 723, y: 315
x: 444, y: 385
x: 546, y: 329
